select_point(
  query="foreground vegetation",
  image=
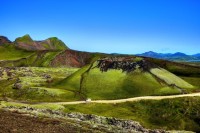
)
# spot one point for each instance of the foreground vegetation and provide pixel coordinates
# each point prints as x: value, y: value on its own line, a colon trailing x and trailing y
x: 169, y: 114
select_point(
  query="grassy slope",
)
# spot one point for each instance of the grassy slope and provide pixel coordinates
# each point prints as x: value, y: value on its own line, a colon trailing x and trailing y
x: 9, y: 52
x: 72, y: 83
x: 42, y: 59
x: 176, y: 114
x: 170, y: 78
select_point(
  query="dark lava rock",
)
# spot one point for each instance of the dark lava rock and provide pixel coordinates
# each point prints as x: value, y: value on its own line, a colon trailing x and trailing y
x: 17, y: 86
x: 47, y: 76
x: 107, y: 124
x: 126, y: 64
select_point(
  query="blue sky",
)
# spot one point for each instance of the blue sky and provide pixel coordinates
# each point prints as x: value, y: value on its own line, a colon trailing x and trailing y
x: 110, y: 26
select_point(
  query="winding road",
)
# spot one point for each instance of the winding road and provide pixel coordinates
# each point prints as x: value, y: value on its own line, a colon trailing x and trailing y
x: 128, y: 99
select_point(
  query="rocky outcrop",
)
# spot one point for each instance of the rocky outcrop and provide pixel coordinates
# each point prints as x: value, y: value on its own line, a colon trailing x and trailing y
x: 126, y: 64
x: 27, y: 43
x: 4, y: 40
x: 107, y: 124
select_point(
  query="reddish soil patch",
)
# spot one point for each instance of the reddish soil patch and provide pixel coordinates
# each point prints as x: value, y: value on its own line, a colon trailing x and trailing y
x: 71, y: 58
x: 14, y: 122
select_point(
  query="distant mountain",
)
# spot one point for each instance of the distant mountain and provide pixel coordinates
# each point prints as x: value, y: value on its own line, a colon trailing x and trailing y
x: 178, y: 54
x: 172, y: 57
x: 27, y: 43
x: 197, y: 55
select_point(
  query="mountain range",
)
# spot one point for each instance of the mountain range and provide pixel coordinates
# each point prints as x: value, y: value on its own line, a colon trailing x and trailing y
x: 178, y: 56
x: 27, y: 43
x: 54, y: 44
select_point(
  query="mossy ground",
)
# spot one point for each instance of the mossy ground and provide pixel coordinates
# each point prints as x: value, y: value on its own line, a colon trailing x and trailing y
x: 35, y: 87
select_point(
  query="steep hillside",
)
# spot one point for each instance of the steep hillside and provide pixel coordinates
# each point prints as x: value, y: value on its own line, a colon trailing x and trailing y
x: 27, y: 43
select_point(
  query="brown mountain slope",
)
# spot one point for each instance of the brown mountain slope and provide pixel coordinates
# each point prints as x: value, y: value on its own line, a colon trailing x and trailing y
x: 71, y: 58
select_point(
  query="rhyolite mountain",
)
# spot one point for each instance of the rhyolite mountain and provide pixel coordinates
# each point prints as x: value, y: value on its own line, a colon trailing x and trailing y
x: 27, y: 43
x: 25, y: 51
x: 178, y: 56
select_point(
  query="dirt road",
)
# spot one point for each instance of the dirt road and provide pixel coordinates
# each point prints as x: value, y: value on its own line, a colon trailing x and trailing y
x: 130, y: 99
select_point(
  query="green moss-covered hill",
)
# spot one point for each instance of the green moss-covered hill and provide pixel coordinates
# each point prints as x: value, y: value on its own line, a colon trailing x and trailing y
x: 90, y: 82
